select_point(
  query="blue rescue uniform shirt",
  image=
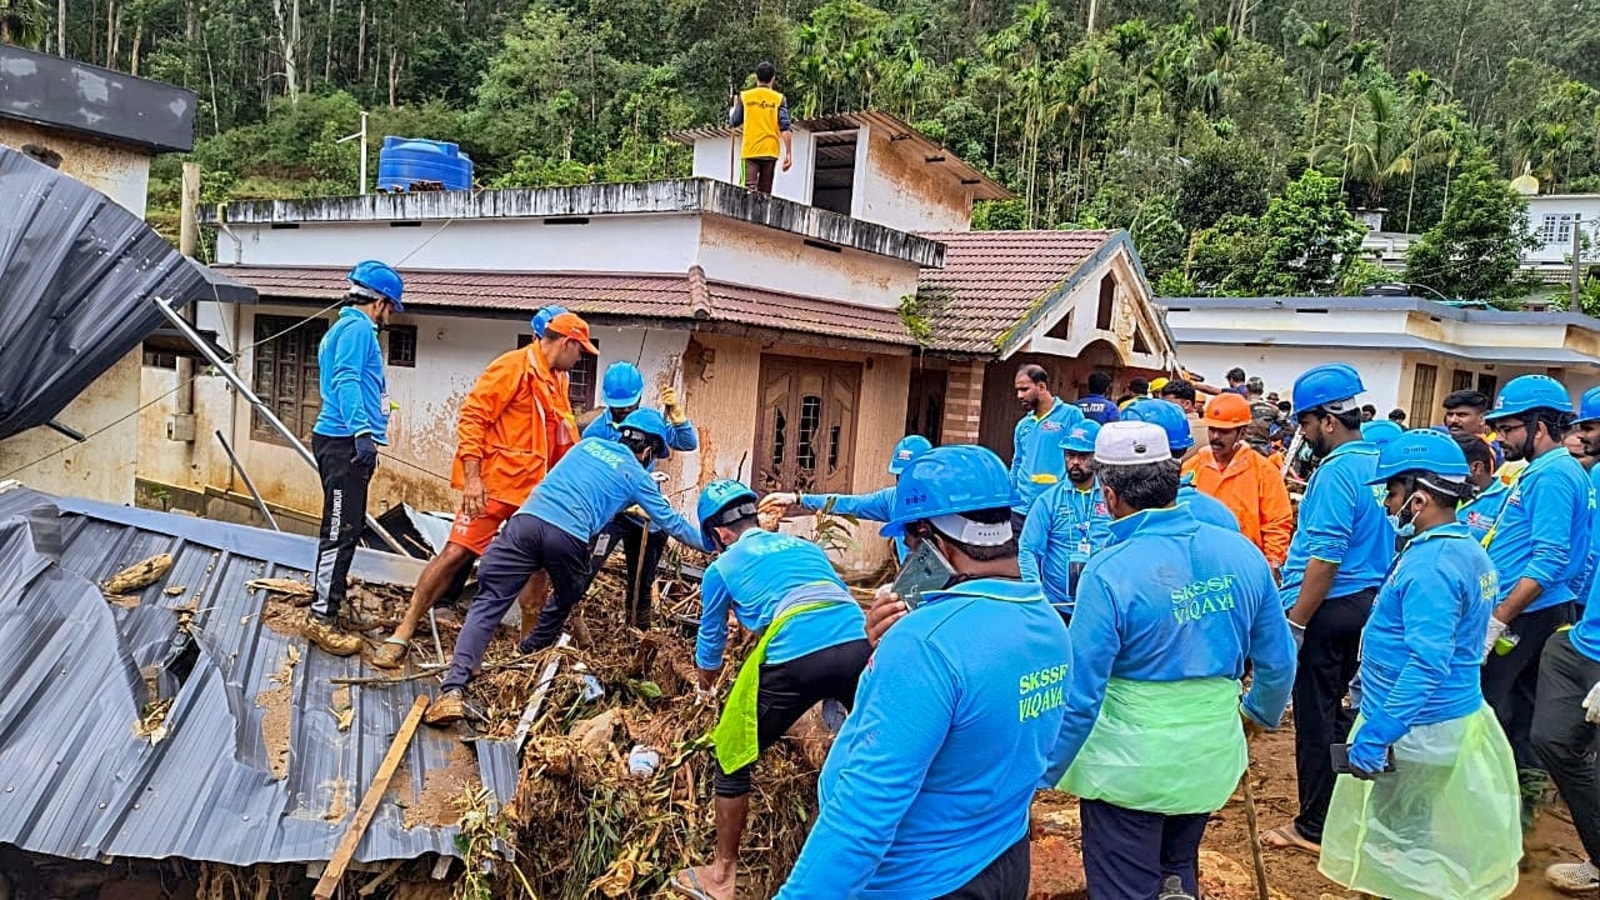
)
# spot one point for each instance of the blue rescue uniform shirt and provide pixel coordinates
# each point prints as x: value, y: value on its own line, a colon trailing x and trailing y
x: 1174, y: 599
x: 1098, y: 407
x: 1036, y: 458
x: 1584, y: 581
x: 753, y: 576
x: 1341, y: 522
x: 877, y: 506
x: 594, y: 481
x: 1422, y: 648
x: 355, y: 393
x: 1479, y: 513
x: 933, y: 774
x: 1544, y: 532
x: 1066, y: 525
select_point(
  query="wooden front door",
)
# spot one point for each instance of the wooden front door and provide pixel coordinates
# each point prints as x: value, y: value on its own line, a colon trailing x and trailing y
x: 807, y: 435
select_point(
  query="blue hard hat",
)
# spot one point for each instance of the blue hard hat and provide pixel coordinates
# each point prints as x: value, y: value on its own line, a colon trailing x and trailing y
x: 1332, y: 386
x: 1527, y: 392
x: 1421, y: 450
x: 948, y: 480
x: 649, y: 422
x: 721, y: 501
x: 1380, y: 432
x: 1168, y: 415
x: 623, y: 385
x: 1589, y: 405
x: 1080, y: 437
x: 910, y: 447
x: 378, y: 281
x: 542, y: 318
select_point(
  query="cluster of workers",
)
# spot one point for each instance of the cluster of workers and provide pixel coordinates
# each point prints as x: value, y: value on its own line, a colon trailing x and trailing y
x: 1127, y: 603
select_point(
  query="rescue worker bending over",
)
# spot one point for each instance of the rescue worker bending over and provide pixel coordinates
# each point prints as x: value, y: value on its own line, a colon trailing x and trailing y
x: 1443, y: 823
x: 551, y: 533
x: 1152, y: 732
x: 876, y: 506
x: 812, y: 649
x: 1067, y: 525
x: 927, y: 789
x: 642, y: 543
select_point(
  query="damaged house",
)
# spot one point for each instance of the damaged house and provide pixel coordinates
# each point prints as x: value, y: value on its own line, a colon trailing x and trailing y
x: 807, y: 331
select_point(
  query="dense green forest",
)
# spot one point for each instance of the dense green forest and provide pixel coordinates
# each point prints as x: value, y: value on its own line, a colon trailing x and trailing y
x: 1229, y: 136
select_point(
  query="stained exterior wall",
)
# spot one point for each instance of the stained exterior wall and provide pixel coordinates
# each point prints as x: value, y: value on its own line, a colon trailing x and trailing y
x: 900, y: 191
x: 103, y: 468
x: 761, y: 257
x: 719, y: 158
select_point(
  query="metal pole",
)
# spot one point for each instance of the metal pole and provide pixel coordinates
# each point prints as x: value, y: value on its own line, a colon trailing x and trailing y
x: 1577, y: 260
x: 249, y: 485
x: 363, y: 154
x: 261, y: 407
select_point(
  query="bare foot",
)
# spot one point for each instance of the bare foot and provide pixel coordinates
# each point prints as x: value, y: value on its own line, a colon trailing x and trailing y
x: 1287, y: 837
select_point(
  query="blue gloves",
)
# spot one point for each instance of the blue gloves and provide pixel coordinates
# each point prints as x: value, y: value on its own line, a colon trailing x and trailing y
x: 1369, y: 752
x: 366, y: 452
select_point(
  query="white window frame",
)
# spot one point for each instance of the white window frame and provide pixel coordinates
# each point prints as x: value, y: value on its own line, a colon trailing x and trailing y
x: 1555, y: 229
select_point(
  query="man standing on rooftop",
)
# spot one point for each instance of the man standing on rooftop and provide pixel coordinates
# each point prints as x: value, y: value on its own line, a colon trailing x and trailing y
x: 763, y: 114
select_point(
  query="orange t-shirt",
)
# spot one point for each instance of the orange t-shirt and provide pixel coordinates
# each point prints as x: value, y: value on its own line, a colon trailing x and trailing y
x: 517, y: 422
x: 1254, y: 491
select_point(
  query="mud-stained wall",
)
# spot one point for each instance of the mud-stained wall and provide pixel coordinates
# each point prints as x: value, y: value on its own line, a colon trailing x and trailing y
x: 902, y: 191
x: 747, y: 254
x: 102, y: 468
x: 722, y: 375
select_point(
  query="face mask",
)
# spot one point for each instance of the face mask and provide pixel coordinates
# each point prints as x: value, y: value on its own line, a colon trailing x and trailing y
x: 1403, y: 524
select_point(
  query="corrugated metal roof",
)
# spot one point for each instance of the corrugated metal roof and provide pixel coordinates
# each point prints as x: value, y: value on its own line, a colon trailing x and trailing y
x: 77, y: 782
x: 934, y: 154
x: 1555, y: 356
x: 992, y: 280
x: 603, y: 295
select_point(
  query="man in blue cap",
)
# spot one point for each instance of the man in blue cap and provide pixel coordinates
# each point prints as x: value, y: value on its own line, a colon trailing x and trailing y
x: 812, y: 649
x: 642, y: 543
x: 1036, y: 441
x: 1067, y: 525
x: 876, y: 506
x: 1168, y: 619
x: 551, y: 534
x: 1565, y: 720
x: 1338, y: 557
x: 927, y: 789
x: 1538, y: 544
x: 353, y: 421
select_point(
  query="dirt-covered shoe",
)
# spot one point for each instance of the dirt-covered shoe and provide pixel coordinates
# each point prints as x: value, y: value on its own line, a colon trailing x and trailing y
x: 328, y: 636
x: 1572, y: 878
x: 355, y: 621
x: 449, y: 708
x: 391, y: 654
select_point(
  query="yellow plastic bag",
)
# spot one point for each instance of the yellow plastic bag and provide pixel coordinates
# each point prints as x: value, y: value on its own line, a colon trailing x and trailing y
x: 1169, y: 747
x: 1443, y: 824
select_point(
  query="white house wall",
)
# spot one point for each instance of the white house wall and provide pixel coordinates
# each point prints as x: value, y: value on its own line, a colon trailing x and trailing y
x: 1279, y: 366
x: 1130, y: 312
x: 1555, y: 252
x: 760, y: 257
x: 718, y: 158
x: 908, y: 194
x: 642, y: 243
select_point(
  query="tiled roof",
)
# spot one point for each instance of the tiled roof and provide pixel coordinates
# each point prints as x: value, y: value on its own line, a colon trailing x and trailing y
x: 602, y: 295
x: 992, y: 280
x: 75, y: 779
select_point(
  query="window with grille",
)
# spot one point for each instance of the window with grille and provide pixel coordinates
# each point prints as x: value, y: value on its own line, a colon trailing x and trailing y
x: 402, y: 346
x: 1556, y: 228
x: 582, y: 379
x: 1461, y: 380
x: 286, y: 375
x: 1422, y: 387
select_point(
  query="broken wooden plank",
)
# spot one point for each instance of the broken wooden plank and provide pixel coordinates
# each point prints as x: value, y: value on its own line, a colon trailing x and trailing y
x: 369, y: 803
x: 531, y: 711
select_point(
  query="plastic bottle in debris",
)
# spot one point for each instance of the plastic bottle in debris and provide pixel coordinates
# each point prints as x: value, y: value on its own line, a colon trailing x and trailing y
x: 643, y: 761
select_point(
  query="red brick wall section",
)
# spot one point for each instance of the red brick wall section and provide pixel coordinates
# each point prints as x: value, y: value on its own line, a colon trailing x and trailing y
x: 963, y: 403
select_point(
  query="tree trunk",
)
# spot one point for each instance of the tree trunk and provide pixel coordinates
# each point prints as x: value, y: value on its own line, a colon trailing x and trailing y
x: 1461, y: 40
x: 1093, y: 8
x: 361, y: 41
x: 327, y: 58
x: 133, y: 55
x: 61, y: 28
x: 111, y: 34
x: 288, y: 39
x: 394, y: 72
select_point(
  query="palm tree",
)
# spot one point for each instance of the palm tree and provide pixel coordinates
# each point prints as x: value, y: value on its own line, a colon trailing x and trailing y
x: 1319, y: 39
x: 1219, y: 41
x: 1378, y: 151
x: 23, y: 22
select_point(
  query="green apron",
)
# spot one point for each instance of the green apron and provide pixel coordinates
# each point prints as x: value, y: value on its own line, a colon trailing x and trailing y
x: 737, y: 734
x: 1169, y: 747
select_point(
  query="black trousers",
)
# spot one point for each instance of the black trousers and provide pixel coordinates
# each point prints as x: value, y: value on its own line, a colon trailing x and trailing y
x: 1564, y: 739
x: 637, y: 541
x: 1128, y: 853
x: 790, y: 688
x: 1004, y: 879
x: 1511, y: 682
x: 344, y: 513
x: 1329, y: 657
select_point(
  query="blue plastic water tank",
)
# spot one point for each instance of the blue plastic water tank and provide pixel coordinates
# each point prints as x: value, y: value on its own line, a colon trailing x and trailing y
x: 403, y: 161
